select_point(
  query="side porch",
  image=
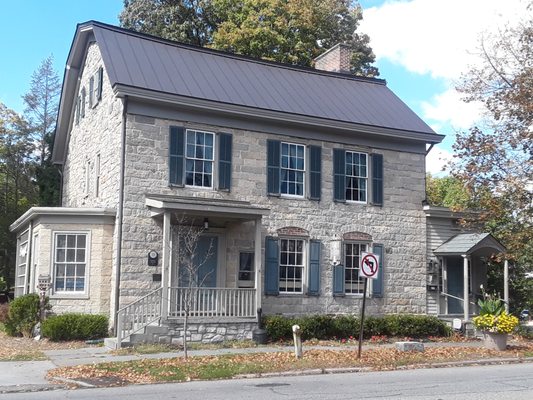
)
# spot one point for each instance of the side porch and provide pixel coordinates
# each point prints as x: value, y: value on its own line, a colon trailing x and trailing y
x: 458, y: 271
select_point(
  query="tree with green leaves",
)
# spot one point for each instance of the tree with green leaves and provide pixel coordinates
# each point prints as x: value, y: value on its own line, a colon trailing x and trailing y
x: 42, y: 102
x: 17, y: 189
x: 496, y: 156
x: 187, y: 21
x: 287, y: 31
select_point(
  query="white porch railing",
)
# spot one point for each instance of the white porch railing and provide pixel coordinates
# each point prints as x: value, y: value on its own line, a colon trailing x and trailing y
x: 212, y: 302
x: 136, y: 316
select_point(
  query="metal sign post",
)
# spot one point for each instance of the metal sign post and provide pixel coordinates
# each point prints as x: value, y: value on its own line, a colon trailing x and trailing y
x: 368, y: 269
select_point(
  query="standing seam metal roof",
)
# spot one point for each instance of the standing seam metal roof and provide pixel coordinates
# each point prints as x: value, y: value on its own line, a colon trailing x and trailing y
x: 150, y: 63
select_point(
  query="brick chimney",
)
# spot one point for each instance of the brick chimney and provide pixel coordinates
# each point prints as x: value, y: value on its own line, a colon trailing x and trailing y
x: 336, y: 59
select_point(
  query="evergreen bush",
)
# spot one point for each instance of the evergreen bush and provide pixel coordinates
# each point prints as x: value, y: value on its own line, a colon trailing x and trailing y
x: 23, y: 315
x: 75, y: 327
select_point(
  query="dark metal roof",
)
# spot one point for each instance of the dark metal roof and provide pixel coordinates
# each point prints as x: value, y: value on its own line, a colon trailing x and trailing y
x: 144, y: 66
x: 146, y: 62
x: 467, y: 243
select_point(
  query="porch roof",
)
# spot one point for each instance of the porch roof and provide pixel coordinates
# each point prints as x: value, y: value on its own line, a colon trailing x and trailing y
x: 203, y: 206
x: 468, y: 243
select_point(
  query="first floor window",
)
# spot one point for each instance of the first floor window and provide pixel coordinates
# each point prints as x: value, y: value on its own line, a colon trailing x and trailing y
x: 353, y: 284
x: 199, y: 156
x: 70, y: 262
x: 246, y: 269
x: 291, y: 265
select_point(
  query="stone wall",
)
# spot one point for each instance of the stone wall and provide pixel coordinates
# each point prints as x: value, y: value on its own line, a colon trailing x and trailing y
x: 399, y: 225
x: 96, y: 299
x: 97, y: 133
x: 208, y: 331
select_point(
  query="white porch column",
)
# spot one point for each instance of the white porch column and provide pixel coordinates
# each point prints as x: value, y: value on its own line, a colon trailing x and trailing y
x: 506, y: 284
x: 165, y: 275
x: 466, y: 300
x: 257, y: 263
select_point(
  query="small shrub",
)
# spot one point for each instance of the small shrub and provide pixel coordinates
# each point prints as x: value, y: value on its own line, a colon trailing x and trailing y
x: 23, y: 315
x: 75, y: 327
x: 278, y: 327
x: 325, y: 327
x: 4, y: 310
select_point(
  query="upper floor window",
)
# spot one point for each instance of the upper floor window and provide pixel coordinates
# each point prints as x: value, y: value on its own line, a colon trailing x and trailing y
x: 292, y: 169
x: 199, y: 158
x: 70, y: 262
x: 356, y: 176
x: 287, y: 169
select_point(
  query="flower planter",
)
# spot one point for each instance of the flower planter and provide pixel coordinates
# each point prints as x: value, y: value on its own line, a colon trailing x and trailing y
x: 495, y: 341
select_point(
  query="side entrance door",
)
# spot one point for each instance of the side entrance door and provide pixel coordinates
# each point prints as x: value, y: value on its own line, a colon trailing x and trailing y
x: 455, y: 284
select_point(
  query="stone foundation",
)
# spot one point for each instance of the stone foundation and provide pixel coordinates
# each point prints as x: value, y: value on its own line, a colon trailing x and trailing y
x: 208, y: 331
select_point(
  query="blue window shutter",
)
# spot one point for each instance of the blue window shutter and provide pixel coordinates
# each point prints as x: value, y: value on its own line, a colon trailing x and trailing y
x: 175, y: 155
x: 313, y: 287
x: 377, y: 284
x: 339, y: 175
x: 338, y: 280
x: 271, y: 266
x: 315, y: 169
x: 377, y: 179
x: 224, y: 161
x: 273, y: 166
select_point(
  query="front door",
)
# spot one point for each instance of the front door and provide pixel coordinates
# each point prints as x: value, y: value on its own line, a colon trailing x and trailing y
x: 455, y: 284
x: 203, y: 271
x: 206, y: 257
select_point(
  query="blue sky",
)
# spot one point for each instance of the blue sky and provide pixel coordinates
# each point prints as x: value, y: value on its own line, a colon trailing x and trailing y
x: 421, y: 46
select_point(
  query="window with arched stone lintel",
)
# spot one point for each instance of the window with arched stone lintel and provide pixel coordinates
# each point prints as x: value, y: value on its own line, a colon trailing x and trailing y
x: 292, y: 231
x: 357, y: 237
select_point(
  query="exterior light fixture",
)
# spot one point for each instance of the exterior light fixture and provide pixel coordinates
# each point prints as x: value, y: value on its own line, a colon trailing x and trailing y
x: 206, y: 224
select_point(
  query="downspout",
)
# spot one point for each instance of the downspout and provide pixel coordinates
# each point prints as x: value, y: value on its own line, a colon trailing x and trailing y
x: 425, y: 201
x: 120, y: 211
x: 60, y: 171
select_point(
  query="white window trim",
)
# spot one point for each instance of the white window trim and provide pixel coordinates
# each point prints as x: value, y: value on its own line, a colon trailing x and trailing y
x: 367, y: 178
x: 214, y: 174
x: 97, y: 182
x: 70, y: 294
x: 368, y: 248
x: 305, y: 266
x: 305, y: 171
x: 246, y: 283
x: 87, y: 183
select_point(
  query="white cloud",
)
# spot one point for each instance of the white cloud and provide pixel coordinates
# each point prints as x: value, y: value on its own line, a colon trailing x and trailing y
x: 437, y: 37
x: 436, y: 160
x: 447, y: 107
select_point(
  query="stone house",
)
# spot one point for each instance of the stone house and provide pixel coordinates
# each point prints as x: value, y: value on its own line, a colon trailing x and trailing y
x: 291, y: 173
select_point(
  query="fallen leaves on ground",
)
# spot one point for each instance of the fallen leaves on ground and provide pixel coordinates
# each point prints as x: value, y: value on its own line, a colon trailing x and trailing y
x: 227, y: 366
x: 20, y: 348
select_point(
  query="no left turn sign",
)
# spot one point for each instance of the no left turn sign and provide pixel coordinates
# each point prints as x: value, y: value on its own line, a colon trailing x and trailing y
x: 369, y: 266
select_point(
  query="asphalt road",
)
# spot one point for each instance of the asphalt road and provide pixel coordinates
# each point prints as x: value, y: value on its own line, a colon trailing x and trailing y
x: 501, y: 382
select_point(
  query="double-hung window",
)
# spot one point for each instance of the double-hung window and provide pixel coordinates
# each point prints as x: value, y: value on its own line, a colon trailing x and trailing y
x: 353, y: 284
x: 199, y: 158
x: 356, y: 176
x: 291, y: 265
x: 70, y: 262
x: 292, y: 169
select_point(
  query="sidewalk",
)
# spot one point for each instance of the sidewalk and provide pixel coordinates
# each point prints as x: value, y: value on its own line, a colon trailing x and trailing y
x: 28, y: 376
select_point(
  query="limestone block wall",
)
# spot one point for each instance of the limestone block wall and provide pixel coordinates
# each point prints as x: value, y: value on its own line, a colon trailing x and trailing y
x: 208, y: 331
x: 94, y: 140
x: 399, y: 225
x: 96, y: 299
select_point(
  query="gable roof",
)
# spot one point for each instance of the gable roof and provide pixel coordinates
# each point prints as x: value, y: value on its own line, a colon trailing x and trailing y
x: 467, y: 243
x: 143, y: 65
